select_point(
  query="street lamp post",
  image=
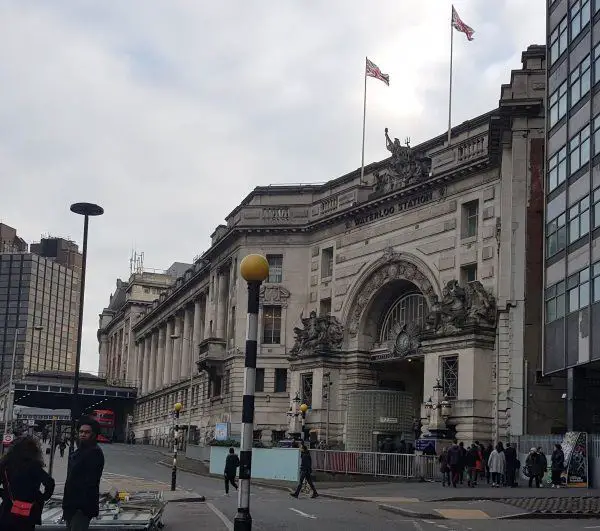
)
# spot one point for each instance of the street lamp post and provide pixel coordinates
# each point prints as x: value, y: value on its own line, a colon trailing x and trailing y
x: 177, y: 409
x: 8, y: 406
x: 86, y: 210
x: 254, y: 268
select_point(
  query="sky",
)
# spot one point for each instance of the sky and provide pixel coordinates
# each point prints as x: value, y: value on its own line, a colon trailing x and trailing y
x: 168, y: 113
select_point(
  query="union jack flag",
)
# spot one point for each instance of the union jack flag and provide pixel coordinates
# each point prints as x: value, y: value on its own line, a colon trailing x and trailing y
x: 373, y: 71
x: 459, y: 25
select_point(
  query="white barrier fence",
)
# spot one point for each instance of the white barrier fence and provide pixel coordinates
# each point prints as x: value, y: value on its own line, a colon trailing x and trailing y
x: 407, y: 466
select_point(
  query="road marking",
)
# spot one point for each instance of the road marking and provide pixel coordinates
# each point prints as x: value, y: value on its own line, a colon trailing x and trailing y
x: 417, y: 525
x: 221, y: 516
x: 593, y: 527
x: 311, y: 516
x: 463, y: 514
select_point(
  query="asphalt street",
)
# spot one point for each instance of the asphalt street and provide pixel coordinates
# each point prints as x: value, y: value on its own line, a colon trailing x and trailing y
x: 273, y: 509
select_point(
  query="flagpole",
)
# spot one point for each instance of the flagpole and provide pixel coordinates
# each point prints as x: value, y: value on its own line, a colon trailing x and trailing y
x: 450, y: 86
x: 362, y: 164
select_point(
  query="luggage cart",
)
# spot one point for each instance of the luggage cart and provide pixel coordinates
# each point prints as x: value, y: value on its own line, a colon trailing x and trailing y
x: 136, y: 511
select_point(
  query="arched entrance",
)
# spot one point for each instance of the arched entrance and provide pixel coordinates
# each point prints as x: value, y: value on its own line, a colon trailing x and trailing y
x: 387, y: 312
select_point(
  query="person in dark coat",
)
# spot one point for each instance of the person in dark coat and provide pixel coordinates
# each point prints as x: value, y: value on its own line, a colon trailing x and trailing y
x: 305, y: 473
x: 21, y: 475
x: 444, y: 467
x: 510, y: 454
x: 454, y: 459
x: 486, y: 458
x: 462, y: 465
x: 557, y: 462
x: 534, y: 467
x: 232, y: 462
x: 544, y: 460
x: 82, y: 487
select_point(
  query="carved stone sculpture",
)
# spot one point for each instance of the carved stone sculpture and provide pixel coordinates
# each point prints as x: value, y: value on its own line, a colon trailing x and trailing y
x: 318, y: 334
x: 460, y: 307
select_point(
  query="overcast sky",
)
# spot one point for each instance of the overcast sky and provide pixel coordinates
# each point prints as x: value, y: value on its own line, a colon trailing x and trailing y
x: 167, y: 113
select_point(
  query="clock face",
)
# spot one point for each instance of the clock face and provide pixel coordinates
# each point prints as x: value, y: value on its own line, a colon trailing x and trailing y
x: 402, y: 342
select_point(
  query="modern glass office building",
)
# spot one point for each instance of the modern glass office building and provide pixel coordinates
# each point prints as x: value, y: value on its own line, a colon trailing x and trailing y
x: 572, y: 208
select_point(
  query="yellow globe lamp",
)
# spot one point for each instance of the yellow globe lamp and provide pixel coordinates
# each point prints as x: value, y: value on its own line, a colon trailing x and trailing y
x: 178, y: 407
x: 303, y: 408
x: 254, y: 268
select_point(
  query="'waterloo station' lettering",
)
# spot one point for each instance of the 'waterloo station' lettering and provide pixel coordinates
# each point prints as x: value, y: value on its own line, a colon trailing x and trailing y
x: 392, y: 209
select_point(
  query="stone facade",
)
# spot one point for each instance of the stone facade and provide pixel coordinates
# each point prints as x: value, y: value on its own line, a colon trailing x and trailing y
x: 417, y: 273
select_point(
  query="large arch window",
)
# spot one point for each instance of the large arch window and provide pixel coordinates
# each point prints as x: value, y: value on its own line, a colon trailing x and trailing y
x: 409, y: 308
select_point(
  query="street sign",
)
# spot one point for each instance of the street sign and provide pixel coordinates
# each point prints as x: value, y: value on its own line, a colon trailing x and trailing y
x: 7, y: 440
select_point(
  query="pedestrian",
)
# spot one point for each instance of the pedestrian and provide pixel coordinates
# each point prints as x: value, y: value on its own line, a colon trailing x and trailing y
x: 305, y: 473
x: 497, y: 465
x: 471, y: 460
x: 486, y: 459
x: 511, y: 464
x: 454, y: 459
x: 62, y: 446
x: 21, y: 475
x: 232, y: 462
x: 462, y: 465
x: 444, y: 467
x: 82, y: 487
x: 557, y: 462
x: 533, y: 464
x: 544, y: 461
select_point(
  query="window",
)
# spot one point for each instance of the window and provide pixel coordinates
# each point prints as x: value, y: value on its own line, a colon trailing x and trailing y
x: 327, y: 262
x: 596, y: 132
x: 275, y: 268
x: 579, y: 149
x: 450, y: 376
x: 596, y: 6
x: 306, y: 388
x: 325, y: 307
x: 468, y: 273
x: 556, y: 235
x: 260, y: 381
x: 558, y: 104
x: 579, y: 219
x: 580, y: 16
x: 280, y: 380
x: 578, y: 290
x: 226, y: 381
x: 558, y: 40
x: 596, y: 204
x: 580, y: 80
x: 271, y: 325
x: 596, y: 275
x: 557, y: 169
x: 232, y: 327
x: 470, y: 214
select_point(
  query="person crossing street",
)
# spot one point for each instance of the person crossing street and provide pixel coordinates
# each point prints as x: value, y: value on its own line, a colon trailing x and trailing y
x: 232, y: 462
x: 305, y: 473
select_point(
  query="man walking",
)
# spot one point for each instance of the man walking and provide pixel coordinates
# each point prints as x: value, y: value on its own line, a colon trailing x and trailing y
x: 82, y: 487
x: 232, y: 462
x: 510, y: 454
x: 305, y: 473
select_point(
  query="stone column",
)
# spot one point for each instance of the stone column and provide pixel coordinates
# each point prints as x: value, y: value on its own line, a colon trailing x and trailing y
x: 222, y: 306
x: 160, y: 361
x: 152, y: 370
x: 122, y: 365
x: 168, y: 354
x: 146, y: 343
x: 176, y: 371
x: 186, y: 344
x: 103, y: 356
x: 139, y: 367
x: 198, y: 320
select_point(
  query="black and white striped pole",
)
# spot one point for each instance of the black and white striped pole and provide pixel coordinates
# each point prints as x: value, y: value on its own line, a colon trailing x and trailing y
x: 254, y: 269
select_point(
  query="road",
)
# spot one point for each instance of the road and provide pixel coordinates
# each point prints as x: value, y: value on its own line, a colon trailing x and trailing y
x: 275, y: 510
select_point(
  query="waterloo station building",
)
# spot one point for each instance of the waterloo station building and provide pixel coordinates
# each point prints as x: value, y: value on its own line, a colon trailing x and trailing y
x: 427, y: 271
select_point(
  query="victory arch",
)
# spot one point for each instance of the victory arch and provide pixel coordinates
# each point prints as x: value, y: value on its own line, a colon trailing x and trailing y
x: 411, y: 348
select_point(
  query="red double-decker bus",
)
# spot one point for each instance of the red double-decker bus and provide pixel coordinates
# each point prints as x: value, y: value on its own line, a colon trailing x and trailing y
x: 106, y: 419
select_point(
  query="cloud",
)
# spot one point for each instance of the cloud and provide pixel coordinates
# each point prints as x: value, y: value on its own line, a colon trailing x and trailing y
x: 169, y: 113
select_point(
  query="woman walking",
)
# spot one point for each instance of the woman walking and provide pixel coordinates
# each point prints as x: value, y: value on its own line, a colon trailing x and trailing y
x: 497, y: 465
x: 21, y: 475
x: 558, y: 465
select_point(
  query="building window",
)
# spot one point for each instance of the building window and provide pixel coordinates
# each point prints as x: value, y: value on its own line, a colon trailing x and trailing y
x: 226, y: 382
x: 327, y: 262
x: 280, y: 380
x: 579, y: 149
x: 557, y: 169
x: 596, y: 6
x: 232, y: 327
x: 596, y: 132
x: 558, y: 104
x: 260, y: 380
x: 271, y: 325
x: 596, y: 205
x: 558, y: 40
x: 580, y: 16
x: 450, y: 376
x: 578, y: 290
x: 596, y: 59
x: 306, y: 388
x: 470, y: 215
x: 596, y: 275
x: 580, y: 80
x: 275, y: 268
x: 579, y: 219
x: 556, y: 235
x: 468, y: 273
x: 325, y: 306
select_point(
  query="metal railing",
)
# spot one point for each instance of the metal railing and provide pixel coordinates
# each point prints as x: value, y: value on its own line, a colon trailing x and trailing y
x: 408, y: 466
